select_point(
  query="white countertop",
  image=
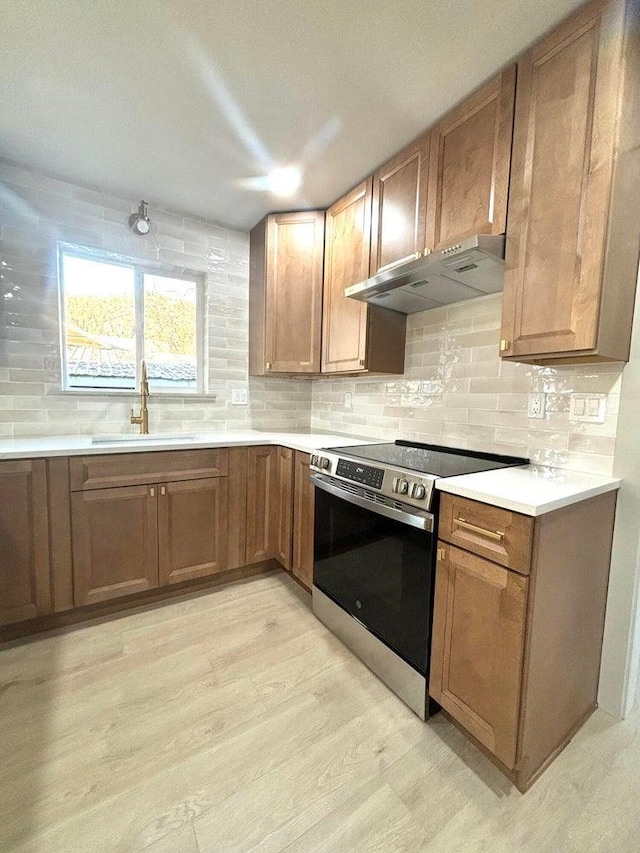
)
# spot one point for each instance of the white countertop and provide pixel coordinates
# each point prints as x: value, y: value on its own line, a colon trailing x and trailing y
x: 529, y: 489
x: 81, y: 445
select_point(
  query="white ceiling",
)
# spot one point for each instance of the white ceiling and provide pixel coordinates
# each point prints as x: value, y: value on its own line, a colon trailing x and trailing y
x: 184, y: 102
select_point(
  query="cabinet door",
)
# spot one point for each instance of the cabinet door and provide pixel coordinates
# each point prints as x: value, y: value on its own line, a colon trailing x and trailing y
x: 347, y: 243
x: 262, y: 503
x: 564, y: 138
x: 477, y: 647
x: 293, y: 316
x: 399, y: 209
x: 192, y: 529
x: 469, y: 169
x: 303, y: 508
x: 25, y: 583
x: 115, y: 542
x: 285, y: 506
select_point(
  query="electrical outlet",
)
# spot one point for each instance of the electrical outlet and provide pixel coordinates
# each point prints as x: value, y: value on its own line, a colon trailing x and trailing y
x: 348, y: 400
x: 535, y: 408
x: 239, y: 397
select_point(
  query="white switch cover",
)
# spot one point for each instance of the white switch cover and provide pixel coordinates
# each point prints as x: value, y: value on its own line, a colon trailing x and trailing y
x: 588, y: 408
x: 239, y: 397
x: 348, y: 400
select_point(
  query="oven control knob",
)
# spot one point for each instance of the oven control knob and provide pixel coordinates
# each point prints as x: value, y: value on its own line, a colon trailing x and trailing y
x: 419, y: 491
x: 323, y: 462
x: 314, y: 459
x: 402, y: 486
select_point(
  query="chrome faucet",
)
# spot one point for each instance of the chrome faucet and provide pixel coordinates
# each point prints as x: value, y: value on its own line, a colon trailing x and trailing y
x: 143, y: 417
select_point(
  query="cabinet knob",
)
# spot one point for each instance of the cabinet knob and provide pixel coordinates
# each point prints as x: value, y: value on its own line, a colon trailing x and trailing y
x: 163, y: 490
x: 441, y: 554
x: 268, y: 365
x: 505, y: 345
x: 152, y: 492
x: 361, y: 362
x: 427, y: 251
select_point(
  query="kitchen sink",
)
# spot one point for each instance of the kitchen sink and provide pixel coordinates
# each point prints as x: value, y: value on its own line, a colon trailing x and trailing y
x: 160, y: 438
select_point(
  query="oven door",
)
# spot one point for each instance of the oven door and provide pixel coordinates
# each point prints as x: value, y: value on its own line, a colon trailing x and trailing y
x: 377, y: 564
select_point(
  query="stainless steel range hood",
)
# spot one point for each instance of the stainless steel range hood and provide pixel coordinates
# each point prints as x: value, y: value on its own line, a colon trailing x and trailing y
x: 474, y: 267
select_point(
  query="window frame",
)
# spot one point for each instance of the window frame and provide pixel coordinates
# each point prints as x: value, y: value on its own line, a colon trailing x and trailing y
x: 140, y: 269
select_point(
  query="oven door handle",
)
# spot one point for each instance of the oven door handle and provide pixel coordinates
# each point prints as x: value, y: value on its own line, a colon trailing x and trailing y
x: 421, y: 520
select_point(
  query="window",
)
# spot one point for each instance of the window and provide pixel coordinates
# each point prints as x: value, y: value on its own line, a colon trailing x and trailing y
x: 115, y: 313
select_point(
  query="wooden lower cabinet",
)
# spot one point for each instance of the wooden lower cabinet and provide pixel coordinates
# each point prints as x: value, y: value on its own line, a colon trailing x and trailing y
x: 135, y: 538
x: 115, y: 542
x: 285, y: 507
x: 192, y: 529
x: 515, y: 659
x: 262, y: 503
x: 25, y: 583
x: 478, y: 646
x: 303, y: 509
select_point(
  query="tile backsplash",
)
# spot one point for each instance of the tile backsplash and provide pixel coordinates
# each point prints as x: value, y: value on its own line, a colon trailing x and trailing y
x: 455, y: 391
x: 35, y: 212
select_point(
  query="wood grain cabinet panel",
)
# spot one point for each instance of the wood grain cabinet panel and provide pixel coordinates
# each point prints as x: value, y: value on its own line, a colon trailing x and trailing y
x: 470, y: 162
x: 130, y: 469
x: 115, y: 542
x: 285, y: 506
x: 262, y: 503
x: 478, y: 647
x: 287, y: 253
x: 347, y: 246
x: 499, y: 535
x: 25, y: 581
x: 303, y: 512
x: 515, y: 660
x: 356, y: 337
x: 192, y: 529
x: 574, y: 233
x: 399, y: 209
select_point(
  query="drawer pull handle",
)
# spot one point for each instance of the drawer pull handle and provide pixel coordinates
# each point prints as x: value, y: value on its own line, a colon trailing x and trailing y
x: 490, y: 534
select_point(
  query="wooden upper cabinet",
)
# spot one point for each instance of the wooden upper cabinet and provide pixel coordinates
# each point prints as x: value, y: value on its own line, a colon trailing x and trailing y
x: 286, y: 293
x: 573, y: 233
x: 25, y: 582
x: 469, y: 165
x: 347, y: 245
x: 399, y: 210
x: 478, y: 646
x: 356, y: 337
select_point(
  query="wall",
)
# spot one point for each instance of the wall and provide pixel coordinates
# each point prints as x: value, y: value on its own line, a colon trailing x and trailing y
x: 617, y: 692
x: 457, y: 391
x: 35, y: 211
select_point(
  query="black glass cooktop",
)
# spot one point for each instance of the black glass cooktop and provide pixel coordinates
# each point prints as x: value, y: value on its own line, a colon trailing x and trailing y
x: 429, y: 458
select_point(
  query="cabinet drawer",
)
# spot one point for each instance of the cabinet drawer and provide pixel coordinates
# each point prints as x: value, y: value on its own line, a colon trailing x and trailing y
x: 500, y: 535
x: 132, y: 469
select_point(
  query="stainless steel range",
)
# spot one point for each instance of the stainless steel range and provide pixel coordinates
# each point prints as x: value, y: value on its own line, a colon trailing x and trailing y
x: 376, y: 513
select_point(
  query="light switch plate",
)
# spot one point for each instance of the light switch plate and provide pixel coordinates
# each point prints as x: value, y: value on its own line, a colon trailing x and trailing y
x: 588, y: 408
x: 239, y: 397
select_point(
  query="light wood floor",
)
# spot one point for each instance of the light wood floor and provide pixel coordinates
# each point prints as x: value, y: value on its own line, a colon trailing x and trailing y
x: 233, y: 721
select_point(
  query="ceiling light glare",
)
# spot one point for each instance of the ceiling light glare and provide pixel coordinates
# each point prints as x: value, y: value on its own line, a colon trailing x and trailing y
x: 284, y: 181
